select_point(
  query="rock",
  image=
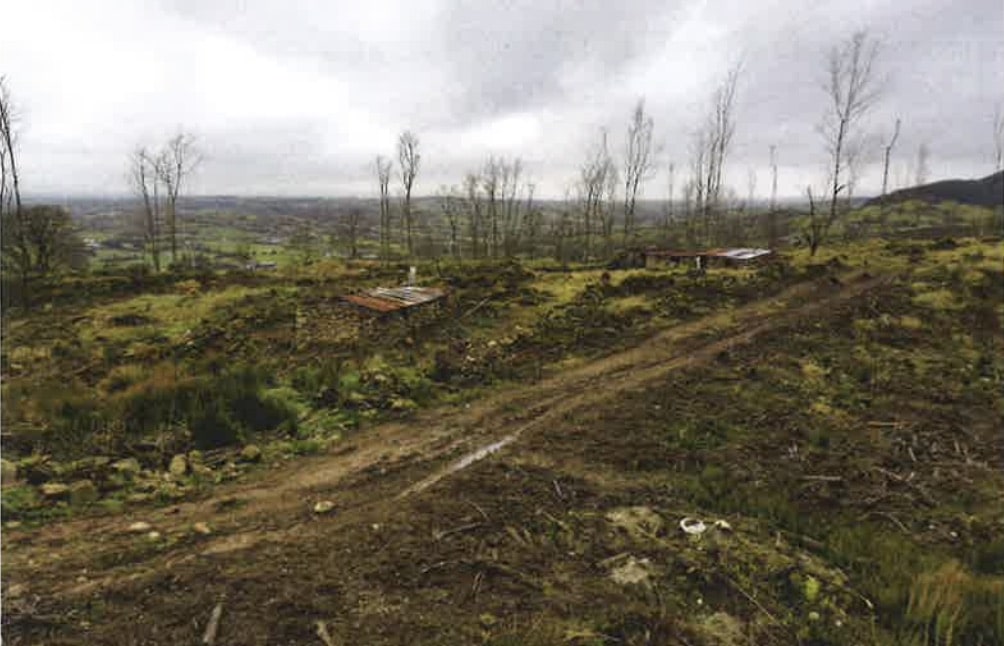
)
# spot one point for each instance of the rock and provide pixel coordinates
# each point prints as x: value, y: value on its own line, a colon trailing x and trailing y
x: 153, y: 536
x: 138, y: 497
x: 403, y: 404
x: 179, y: 466
x: 251, y: 453
x: 55, y: 490
x: 202, y: 470
x: 723, y: 628
x: 8, y: 471
x: 633, y: 571
x: 91, y: 468
x: 637, y: 521
x: 170, y: 491
x: 12, y: 524
x: 140, y: 526
x: 36, y: 469
x: 147, y: 485
x: 128, y: 467
x: 323, y: 507
x: 83, y: 492
x: 202, y: 528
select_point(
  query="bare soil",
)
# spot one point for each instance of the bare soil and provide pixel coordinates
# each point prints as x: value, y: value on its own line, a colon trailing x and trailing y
x: 481, y: 523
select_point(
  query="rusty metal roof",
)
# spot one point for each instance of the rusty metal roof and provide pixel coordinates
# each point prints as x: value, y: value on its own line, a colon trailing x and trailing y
x: 392, y: 299
x: 671, y: 253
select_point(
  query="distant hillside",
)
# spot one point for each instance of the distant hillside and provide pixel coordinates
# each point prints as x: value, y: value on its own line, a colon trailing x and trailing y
x: 988, y: 191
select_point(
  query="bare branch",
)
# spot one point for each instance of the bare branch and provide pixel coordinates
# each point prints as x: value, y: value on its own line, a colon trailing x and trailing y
x: 888, y: 152
x: 637, y: 162
x: 852, y: 89
x: 409, y: 159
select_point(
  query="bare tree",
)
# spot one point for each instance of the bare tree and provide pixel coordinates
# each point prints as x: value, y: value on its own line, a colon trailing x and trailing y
x: 998, y: 140
x: 351, y: 228
x: 145, y: 184
x: 383, y: 177
x: 700, y: 173
x: 174, y: 164
x: 637, y: 163
x: 8, y: 142
x: 449, y: 204
x: 409, y: 159
x: 562, y: 228
x: 923, y: 153
x: 491, y: 181
x: 888, y: 153
x: 512, y: 195
x: 669, y: 213
x: 17, y: 255
x: 711, y: 146
x: 772, y: 209
x: 597, y: 181
x: 817, y: 224
x: 532, y: 221
x: 852, y: 89
x: 690, y: 210
x: 475, y: 213
x: 721, y: 129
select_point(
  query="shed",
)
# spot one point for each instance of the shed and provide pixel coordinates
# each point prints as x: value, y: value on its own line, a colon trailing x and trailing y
x: 388, y: 300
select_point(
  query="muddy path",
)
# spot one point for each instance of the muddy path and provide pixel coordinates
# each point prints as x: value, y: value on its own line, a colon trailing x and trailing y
x: 383, y: 469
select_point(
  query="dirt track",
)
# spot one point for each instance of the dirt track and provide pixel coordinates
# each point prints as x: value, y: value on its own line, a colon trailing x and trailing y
x: 379, y: 472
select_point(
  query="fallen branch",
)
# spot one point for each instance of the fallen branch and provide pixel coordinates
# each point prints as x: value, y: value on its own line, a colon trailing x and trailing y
x: 456, y: 530
x: 323, y: 634
x: 209, y: 637
x: 474, y: 309
x: 434, y: 566
x: 824, y: 478
x: 906, y: 480
x: 754, y: 601
x: 480, y: 510
x: 523, y: 578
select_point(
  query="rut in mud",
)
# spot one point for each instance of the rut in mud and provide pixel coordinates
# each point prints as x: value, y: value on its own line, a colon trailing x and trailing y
x: 270, y: 508
x: 430, y: 540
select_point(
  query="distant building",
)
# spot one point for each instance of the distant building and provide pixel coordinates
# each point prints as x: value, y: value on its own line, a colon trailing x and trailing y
x: 260, y: 266
x: 707, y: 258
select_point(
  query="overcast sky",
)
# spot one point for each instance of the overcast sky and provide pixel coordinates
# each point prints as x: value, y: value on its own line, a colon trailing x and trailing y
x: 297, y: 98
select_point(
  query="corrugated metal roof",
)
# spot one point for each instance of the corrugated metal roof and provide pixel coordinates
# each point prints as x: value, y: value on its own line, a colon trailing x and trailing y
x: 743, y: 254
x: 733, y: 254
x: 392, y: 299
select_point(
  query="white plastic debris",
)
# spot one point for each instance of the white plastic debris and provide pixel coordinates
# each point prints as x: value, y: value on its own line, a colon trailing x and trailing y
x: 323, y: 507
x: 696, y: 527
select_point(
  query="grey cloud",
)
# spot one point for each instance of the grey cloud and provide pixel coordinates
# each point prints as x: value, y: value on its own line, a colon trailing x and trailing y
x: 298, y: 97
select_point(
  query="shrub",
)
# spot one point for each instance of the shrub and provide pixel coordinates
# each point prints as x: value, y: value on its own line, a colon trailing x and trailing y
x: 219, y: 410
